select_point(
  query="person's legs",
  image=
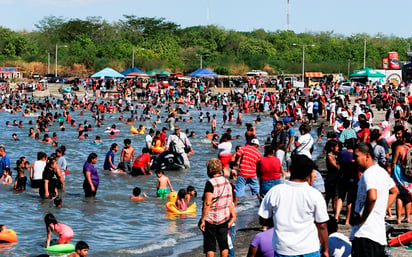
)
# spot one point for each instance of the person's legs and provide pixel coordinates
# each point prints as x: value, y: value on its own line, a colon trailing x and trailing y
x: 240, y: 188
x: 254, y: 186
x: 209, y: 239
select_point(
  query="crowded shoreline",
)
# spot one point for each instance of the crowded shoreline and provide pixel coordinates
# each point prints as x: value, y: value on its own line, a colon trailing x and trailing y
x: 241, y: 244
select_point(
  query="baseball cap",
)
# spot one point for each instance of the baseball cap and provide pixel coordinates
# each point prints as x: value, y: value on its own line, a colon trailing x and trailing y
x: 255, y: 141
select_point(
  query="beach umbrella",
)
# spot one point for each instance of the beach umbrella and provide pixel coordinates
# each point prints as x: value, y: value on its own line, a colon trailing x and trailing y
x: 367, y: 73
x: 203, y: 73
x: 130, y: 70
x: 158, y: 72
x: 107, y: 73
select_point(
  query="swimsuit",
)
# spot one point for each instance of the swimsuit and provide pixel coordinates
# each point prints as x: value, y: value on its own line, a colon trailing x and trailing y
x: 162, y: 192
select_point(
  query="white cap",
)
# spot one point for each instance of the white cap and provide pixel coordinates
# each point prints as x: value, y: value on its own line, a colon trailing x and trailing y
x: 255, y: 141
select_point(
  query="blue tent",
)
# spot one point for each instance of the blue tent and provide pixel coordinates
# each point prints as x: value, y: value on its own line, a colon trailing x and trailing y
x: 108, y: 73
x: 131, y: 70
x: 203, y: 73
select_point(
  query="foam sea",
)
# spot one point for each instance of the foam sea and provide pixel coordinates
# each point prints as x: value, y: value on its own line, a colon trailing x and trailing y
x: 112, y: 224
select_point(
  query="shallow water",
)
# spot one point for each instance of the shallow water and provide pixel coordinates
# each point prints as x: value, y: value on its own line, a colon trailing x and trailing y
x: 111, y: 224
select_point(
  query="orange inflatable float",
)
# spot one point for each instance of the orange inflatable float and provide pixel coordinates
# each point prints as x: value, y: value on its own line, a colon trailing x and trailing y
x: 9, y: 236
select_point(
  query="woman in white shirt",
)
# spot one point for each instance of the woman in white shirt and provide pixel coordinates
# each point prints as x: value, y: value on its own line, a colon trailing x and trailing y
x: 305, y: 142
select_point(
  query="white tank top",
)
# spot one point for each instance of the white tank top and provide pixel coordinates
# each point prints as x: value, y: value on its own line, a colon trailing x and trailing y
x: 38, y: 168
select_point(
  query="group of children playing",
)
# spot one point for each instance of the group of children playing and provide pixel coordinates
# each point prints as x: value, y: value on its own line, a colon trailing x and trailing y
x: 163, y: 185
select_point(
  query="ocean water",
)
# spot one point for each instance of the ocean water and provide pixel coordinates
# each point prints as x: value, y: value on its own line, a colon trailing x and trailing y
x: 111, y: 224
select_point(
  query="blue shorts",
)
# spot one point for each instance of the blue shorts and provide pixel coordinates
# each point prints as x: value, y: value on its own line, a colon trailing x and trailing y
x: 314, y: 254
x: 241, y: 182
x: 266, y: 185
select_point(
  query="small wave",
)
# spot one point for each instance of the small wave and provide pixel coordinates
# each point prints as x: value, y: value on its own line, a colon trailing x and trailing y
x: 149, y: 248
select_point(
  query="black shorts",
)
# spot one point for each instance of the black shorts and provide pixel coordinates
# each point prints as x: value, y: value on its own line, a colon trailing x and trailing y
x: 364, y: 247
x: 215, y: 233
x: 36, y: 183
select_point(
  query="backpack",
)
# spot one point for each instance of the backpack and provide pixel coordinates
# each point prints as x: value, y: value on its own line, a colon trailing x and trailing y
x: 407, y: 166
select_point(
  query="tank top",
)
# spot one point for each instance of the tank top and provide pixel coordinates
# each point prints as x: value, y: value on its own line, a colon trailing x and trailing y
x: 38, y: 168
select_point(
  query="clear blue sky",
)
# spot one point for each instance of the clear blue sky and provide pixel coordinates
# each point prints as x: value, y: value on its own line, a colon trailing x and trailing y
x: 340, y: 16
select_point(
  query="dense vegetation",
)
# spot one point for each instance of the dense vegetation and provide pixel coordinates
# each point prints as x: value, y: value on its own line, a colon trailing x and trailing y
x: 94, y: 43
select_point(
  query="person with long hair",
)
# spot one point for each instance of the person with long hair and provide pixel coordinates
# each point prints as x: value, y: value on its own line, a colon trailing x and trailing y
x: 91, y: 177
x: 64, y: 231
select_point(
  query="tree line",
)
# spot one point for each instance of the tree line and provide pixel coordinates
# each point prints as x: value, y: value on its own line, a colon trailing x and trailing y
x: 93, y: 43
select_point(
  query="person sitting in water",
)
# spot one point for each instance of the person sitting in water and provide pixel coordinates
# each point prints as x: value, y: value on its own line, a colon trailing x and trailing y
x: 6, y: 178
x: 14, y: 136
x: 136, y: 195
x: 181, y: 203
x: 46, y: 139
x: 54, y: 136
x: 97, y: 140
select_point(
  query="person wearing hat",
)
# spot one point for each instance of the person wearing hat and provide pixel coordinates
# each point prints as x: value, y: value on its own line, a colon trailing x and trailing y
x: 181, y: 144
x: 298, y: 211
x: 248, y: 158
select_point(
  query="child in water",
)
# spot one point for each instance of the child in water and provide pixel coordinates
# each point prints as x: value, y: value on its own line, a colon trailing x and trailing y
x: 81, y: 250
x: 190, y: 193
x: 65, y: 232
x: 181, y: 203
x: 162, y: 183
x: 6, y: 178
x: 136, y: 194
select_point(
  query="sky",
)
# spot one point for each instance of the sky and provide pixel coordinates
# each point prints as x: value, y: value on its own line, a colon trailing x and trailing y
x: 346, y: 17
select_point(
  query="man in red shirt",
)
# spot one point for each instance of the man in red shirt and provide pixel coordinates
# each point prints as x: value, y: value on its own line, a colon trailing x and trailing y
x: 141, y: 165
x: 163, y: 136
x: 249, y: 156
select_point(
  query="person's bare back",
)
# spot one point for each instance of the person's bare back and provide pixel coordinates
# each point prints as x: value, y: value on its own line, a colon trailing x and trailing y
x: 127, y: 153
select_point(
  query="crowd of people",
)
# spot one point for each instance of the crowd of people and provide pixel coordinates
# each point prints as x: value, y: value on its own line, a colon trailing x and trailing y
x: 366, y: 164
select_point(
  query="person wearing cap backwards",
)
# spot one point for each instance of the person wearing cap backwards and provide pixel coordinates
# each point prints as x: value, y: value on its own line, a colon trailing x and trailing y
x: 299, y: 213
x: 180, y: 141
x: 249, y: 156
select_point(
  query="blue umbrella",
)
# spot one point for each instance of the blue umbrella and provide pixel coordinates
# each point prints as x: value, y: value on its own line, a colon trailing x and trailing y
x: 203, y: 73
x: 108, y: 73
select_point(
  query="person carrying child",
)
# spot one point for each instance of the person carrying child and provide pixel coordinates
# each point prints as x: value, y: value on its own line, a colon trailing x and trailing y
x: 162, y: 183
x: 64, y: 231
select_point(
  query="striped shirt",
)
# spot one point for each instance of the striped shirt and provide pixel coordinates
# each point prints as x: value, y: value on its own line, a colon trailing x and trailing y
x: 222, y: 198
x: 249, y: 157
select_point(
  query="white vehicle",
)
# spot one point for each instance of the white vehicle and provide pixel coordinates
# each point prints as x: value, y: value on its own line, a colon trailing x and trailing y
x: 257, y: 73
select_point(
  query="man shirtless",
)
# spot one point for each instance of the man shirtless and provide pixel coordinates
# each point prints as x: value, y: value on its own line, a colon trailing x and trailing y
x: 127, y: 155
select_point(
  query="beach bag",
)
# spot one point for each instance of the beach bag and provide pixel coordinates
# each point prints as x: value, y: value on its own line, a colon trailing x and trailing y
x: 407, y: 167
x: 187, y: 148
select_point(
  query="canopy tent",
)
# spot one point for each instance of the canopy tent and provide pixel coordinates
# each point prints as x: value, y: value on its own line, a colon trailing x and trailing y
x: 135, y: 74
x: 203, y: 73
x: 130, y: 70
x: 367, y: 73
x: 158, y: 72
x: 313, y: 74
x: 107, y: 73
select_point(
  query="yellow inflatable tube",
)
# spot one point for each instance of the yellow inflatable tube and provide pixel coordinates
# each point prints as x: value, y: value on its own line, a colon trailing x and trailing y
x: 171, y: 205
x: 158, y: 148
x: 133, y: 130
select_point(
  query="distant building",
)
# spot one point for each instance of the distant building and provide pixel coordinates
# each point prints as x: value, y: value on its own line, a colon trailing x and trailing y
x: 10, y: 73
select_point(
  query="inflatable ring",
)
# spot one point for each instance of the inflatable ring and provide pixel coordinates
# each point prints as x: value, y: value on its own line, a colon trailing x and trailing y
x: 158, y: 148
x: 61, y: 248
x: 96, y: 143
x: 171, y: 205
x: 9, y: 236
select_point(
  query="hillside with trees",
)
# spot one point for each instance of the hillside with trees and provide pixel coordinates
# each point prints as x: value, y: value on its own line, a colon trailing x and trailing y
x: 94, y: 43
